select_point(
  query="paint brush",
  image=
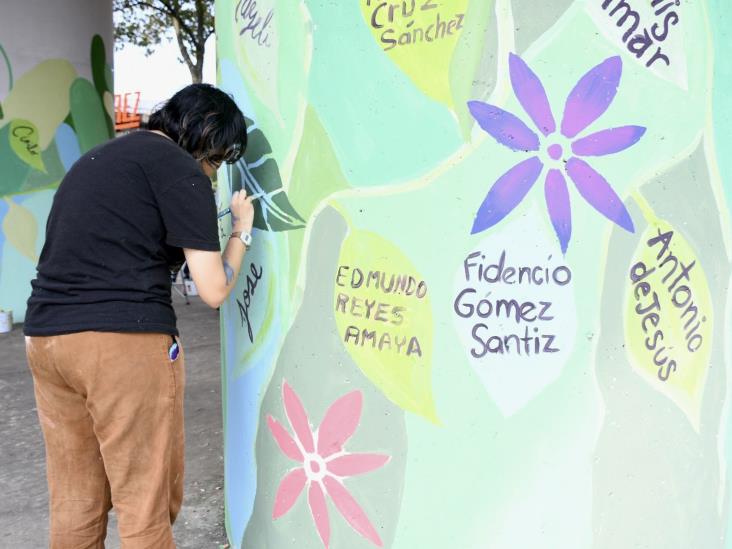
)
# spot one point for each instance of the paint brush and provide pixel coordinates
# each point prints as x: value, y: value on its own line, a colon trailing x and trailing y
x: 228, y: 210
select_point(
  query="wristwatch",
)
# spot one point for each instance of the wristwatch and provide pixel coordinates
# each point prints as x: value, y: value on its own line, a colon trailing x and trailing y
x: 246, y: 238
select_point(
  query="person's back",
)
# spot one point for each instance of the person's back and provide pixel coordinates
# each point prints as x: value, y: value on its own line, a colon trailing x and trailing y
x: 102, y: 346
x: 110, y: 238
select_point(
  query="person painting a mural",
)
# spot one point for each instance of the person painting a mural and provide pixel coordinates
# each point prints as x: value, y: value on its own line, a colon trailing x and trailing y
x: 489, y: 304
x: 101, y: 332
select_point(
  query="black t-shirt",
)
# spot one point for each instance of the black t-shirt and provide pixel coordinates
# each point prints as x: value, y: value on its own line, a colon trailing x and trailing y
x: 118, y: 223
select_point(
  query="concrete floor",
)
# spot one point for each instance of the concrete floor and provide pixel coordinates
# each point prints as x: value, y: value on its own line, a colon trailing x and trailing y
x: 24, y: 500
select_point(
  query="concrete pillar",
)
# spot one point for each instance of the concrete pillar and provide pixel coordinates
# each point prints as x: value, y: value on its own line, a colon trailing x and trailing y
x: 487, y: 302
x: 56, y: 100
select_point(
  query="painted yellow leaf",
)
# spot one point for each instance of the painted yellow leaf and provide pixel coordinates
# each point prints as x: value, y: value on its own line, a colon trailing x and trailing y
x: 21, y: 230
x: 384, y: 318
x: 42, y: 96
x: 668, y: 317
x: 23, y: 138
x: 420, y: 37
x: 109, y: 104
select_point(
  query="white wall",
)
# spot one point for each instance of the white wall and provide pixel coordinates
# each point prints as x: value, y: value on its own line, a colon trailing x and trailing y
x: 34, y: 30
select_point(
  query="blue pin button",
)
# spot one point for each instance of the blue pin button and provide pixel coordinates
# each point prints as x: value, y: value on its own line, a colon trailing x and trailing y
x: 173, y: 351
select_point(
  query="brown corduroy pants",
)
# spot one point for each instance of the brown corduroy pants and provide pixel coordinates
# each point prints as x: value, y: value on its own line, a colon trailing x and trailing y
x: 111, y: 410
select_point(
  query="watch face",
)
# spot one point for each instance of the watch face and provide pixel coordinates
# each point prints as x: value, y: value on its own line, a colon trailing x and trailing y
x: 246, y: 238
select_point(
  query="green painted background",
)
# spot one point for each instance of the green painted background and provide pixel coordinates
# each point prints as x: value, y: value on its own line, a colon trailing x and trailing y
x: 369, y: 158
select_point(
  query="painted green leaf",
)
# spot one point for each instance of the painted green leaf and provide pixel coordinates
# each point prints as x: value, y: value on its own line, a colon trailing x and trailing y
x: 24, y: 139
x: 8, y: 69
x: 14, y: 171
x: 53, y: 175
x: 109, y: 77
x: 99, y: 62
x: 384, y: 317
x: 258, y: 173
x: 100, y: 76
x: 88, y: 114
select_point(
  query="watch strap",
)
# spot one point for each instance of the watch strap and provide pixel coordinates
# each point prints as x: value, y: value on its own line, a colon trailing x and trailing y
x: 246, y: 238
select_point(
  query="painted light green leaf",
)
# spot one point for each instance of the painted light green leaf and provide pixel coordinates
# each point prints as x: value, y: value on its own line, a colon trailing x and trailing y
x: 316, y: 175
x: 264, y: 300
x: 88, y: 114
x: 317, y: 172
x: 467, y: 59
x: 41, y: 95
x: 258, y: 59
x: 21, y: 230
x: 258, y: 173
x: 23, y: 137
x: 384, y: 317
x: 270, y: 59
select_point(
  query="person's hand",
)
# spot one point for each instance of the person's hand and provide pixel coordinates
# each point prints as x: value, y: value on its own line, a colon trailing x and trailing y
x: 242, y: 212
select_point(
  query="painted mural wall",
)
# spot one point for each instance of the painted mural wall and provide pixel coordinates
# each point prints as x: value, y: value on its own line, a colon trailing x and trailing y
x: 488, y: 301
x: 56, y: 102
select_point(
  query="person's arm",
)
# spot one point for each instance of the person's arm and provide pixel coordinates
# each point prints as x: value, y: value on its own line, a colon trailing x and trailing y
x: 215, y: 274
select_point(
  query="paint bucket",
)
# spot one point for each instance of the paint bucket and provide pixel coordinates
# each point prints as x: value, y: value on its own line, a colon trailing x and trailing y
x: 6, y: 321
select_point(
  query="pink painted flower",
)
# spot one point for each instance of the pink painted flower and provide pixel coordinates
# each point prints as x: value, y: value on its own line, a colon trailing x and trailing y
x: 557, y: 151
x: 324, y: 462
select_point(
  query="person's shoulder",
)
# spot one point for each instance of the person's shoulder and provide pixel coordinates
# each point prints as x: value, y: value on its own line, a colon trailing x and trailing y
x: 160, y: 157
x: 139, y: 145
x: 147, y: 141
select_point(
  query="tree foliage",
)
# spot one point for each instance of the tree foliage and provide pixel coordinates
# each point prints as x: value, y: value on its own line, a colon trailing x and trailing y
x: 146, y: 23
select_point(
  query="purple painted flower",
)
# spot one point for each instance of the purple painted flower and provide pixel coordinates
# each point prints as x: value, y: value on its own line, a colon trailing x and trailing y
x: 589, y: 99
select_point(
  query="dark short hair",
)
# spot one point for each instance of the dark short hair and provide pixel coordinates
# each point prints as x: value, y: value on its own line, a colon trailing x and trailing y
x: 205, y: 121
